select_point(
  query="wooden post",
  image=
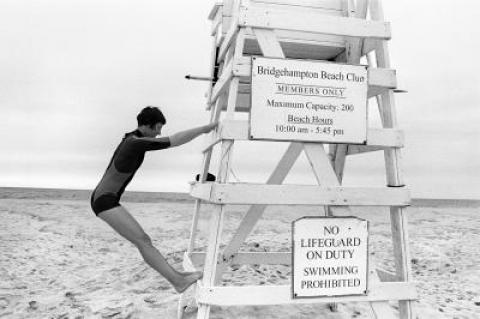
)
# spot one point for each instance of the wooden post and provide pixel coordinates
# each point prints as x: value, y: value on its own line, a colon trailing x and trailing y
x: 393, y: 166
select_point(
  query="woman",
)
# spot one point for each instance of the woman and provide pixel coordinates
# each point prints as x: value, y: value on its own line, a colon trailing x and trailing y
x: 127, y: 158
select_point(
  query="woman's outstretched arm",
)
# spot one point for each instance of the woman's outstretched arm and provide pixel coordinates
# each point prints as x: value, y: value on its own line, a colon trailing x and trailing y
x: 188, y: 135
x: 158, y: 143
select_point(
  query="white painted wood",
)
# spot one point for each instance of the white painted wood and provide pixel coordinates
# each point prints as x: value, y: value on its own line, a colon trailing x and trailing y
x: 226, y: 153
x: 255, y: 212
x: 276, y: 295
x: 232, y: 97
x: 301, y: 46
x: 330, y: 5
x: 381, y: 309
x: 248, y: 258
x: 207, y: 156
x: 193, y: 227
x: 310, y: 22
x: 216, y: 224
x: 369, y: 45
x: 401, y: 252
x: 228, y: 7
x: 299, y: 8
x: 215, y: 113
x: 268, y: 43
x: 320, y: 163
x: 214, y: 11
x: 339, y: 163
x: 222, y: 83
x: 238, y: 130
x: 385, y: 275
x: 394, y: 173
x: 229, y: 37
x: 188, y: 264
x: 239, y: 46
x: 259, y: 194
x: 269, y: 46
x: 216, y: 17
x: 230, y: 23
x: 360, y: 149
x: 211, y: 143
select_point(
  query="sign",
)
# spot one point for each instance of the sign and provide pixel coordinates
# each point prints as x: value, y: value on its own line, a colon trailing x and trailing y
x: 329, y: 256
x: 308, y: 101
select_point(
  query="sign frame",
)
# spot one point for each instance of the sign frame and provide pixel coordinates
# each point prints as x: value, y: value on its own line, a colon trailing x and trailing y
x: 367, y: 290
x: 252, y: 138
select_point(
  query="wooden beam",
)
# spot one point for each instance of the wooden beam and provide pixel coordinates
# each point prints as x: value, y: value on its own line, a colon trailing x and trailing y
x: 188, y: 263
x: 320, y: 163
x: 276, y: 295
x: 269, y: 43
x: 308, y: 21
x: 393, y: 166
x: 215, y: 9
x: 238, y: 130
x: 261, y: 194
x: 330, y: 5
x: 360, y: 149
x: 222, y: 83
x: 250, y: 258
x: 385, y: 275
x: 381, y: 309
x: 215, y: 16
x: 228, y: 40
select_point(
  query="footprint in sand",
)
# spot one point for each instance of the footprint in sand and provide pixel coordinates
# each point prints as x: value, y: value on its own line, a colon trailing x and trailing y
x: 4, y: 303
x: 164, y: 286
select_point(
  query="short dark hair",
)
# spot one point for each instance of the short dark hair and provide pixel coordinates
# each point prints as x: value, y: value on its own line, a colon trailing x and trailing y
x: 150, y: 116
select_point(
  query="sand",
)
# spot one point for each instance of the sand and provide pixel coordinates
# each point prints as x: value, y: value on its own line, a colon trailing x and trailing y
x: 58, y: 260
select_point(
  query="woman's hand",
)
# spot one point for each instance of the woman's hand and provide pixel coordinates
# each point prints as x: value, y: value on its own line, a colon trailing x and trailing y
x: 210, y: 127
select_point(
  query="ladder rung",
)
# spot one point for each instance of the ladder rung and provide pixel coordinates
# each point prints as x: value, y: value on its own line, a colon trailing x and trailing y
x: 376, y: 138
x: 276, y: 295
x: 257, y: 194
x: 309, y: 21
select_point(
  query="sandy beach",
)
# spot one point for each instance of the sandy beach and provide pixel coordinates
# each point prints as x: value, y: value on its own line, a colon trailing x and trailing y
x: 59, y: 260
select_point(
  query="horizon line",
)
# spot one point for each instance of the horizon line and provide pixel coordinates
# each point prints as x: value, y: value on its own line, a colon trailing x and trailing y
x: 186, y: 193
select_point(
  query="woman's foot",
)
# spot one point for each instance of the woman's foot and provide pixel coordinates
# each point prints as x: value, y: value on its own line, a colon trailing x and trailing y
x: 186, y: 280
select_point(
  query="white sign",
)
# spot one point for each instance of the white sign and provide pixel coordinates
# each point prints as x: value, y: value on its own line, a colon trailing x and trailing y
x: 308, y: 101
x: 329, y: 256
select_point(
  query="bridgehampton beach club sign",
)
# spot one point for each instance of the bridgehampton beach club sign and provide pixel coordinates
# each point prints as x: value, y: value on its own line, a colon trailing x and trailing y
x: 329, y: 256
x: 308, y: 101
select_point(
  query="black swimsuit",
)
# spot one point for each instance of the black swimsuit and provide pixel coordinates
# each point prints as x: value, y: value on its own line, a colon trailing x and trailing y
x: 125, y: 161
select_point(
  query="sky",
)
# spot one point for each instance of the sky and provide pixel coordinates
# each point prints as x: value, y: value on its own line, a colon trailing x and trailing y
x: 74, y: 75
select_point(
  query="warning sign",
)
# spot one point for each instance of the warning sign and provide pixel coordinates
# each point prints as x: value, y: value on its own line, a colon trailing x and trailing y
x: 329, y: 256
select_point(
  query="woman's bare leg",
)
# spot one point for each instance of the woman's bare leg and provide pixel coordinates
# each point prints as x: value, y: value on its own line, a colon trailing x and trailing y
x: 127, y: 226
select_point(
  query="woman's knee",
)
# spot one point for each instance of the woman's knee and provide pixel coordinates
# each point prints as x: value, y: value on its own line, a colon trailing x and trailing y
x: 143, y: 241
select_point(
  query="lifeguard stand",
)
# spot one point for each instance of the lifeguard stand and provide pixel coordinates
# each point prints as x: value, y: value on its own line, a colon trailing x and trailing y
x: 333, y: 30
